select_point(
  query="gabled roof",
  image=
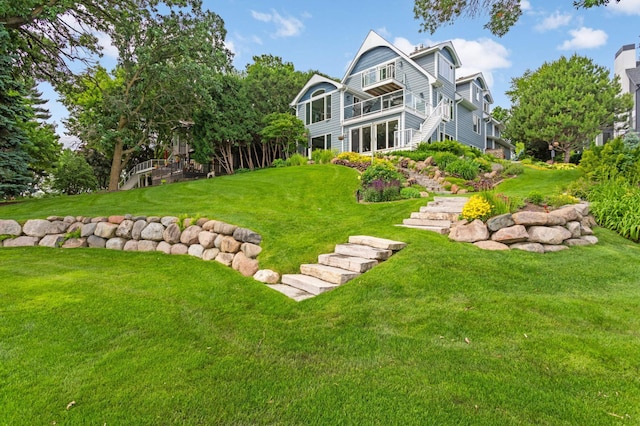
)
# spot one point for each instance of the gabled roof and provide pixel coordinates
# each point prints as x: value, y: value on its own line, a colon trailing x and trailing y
x: 634, y: 76
x: 447, y: 45
x: 484, y: 85
x: 374, y: 40
x: 315, y: 79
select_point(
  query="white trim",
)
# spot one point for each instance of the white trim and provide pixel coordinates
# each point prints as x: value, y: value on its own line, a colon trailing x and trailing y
x: 316, y: 79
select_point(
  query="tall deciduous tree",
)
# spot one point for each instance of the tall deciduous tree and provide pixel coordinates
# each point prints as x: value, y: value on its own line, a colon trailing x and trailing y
x: 503, y: 14
x: 222, y: 129
x: 73, y: 174
x: 15, y: 177
x: 566, y: 103
x: 281, y: 134
x: 164, y: 70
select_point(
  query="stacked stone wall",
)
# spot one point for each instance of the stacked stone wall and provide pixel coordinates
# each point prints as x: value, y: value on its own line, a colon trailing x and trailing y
x: 205, y: 239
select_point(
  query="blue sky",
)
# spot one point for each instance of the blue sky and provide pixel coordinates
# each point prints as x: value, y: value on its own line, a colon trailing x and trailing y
x: 325, y: 35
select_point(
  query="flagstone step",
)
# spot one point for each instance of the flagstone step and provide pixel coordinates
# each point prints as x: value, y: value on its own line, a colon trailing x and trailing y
x: 451, y: 217
x: 359, y: 250
x: 291, y: 292
x: 307, y: 283
x: 436, y: 229
x: 427, y: 222
x: 375, y: 242
x: 461, y: 200
x: 327, y: 273
x: 457, y: 208
x: 350, y: 263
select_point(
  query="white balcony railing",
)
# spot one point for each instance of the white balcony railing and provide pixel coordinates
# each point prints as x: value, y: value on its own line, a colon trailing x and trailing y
x: 389, y: 101
x: 376, y: 75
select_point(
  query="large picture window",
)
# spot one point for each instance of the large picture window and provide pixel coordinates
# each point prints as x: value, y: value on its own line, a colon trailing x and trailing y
x: 318, y: 108
x: 321, y: 142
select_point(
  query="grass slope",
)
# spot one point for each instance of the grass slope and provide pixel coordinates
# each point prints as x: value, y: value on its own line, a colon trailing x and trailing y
x: 144, y: 338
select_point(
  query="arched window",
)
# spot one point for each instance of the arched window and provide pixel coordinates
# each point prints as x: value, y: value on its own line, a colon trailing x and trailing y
x: 318, y: 108
x: 317, y: 93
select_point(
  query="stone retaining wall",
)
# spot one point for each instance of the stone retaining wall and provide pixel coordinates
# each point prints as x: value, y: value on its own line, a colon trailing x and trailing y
x: 538, y: 232
x: 206, y: 239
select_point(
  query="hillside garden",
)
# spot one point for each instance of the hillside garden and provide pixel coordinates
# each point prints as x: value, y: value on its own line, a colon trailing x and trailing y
x: 442, y: 332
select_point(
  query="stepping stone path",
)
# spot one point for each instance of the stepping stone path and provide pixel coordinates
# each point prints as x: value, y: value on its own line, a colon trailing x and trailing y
x: 348, y: 261
x: 431, y: 185
x: 437, y: 215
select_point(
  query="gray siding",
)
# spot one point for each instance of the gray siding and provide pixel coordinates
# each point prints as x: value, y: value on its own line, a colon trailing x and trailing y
x: 447, y: 54
x: 412, y: 122
x: 331, y: 125
x: 428, y: 63
x: 466, y: 135
x: 373, y: 57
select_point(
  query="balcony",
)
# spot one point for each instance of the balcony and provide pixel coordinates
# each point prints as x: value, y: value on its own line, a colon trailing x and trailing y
x: 380, y: 80
x: 389, y: 101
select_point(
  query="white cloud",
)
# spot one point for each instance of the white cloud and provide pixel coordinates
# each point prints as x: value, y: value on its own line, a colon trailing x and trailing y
x: 525, y: 5
x: 108, y: 48
x: 554, y: 21
x: 285, y: 27
x: 626, y: 7
x: 482, y: 55
x: 584, y: 38
x: 384, y: 32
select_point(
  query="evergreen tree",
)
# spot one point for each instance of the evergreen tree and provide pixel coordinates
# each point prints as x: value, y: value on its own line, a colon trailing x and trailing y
x: 15, y: 178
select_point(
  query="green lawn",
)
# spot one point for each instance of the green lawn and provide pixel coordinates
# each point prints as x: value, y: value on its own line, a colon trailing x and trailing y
x: 145, y: 338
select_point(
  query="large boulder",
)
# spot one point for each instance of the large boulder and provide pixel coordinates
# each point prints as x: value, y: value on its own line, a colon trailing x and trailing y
x: 116, y: 243
x: 251, y: 250
x: 491, y: 245
x: 548, y: 235
x: 469, y: 233
x: 131, y: 245
x: 124, y: 229
x: 147, y: 245
x: 52, y: 240
x: 247, y: 236
x: 138, y: 227
x: 168, y: 220
x: 10, y: 227
x: 512, y: 234
x: 530, y: 247
x: 225, y: 258
x: 75, y: 243
x: 117, y: 219
x: 36, y: 228
x: 210, y: 254
x: 94, y: 241
x: 195, y: 250
x: 267, y: 276
x: 172, y: 234
x: 106, y: 230
x: 206, y: 239
x: 574, y: 228
x: 179, y: 249
x: 244, y: 265
x: 499, y: 222
x: 88, y: 229
x: 528, y: 218
x: 230, y: 245
x: 190, y: 235
x: 224, y: 228
x: 153, y: 231
x: 58, y: 227
x: 164, y: 247
x: 569, y: 213
x: 23, y: 241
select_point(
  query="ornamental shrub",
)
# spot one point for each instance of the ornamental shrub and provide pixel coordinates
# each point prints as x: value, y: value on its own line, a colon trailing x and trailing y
x: 297, y: 160
x: 322, y: 156
x: 382, y: 170
x: 559, y: 200
x: 378, y: 190
x: 476, y: 208
x: 442, y: 159
x: 615, y: 204
x: 410, y: 192
x: 535, y: 197
x: 513, y: 169
x: 279, y: 162
x: 353, y: 157
x: 466, y: 169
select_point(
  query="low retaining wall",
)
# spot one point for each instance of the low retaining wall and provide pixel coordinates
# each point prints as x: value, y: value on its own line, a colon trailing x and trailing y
x: 538, y: 232
x: 206, y: 239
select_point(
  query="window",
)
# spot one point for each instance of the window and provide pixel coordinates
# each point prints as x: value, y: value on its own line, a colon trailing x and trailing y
x: 321, y: 142
x: 318, y: 108
x: 445, y: 68
x: 476, y: 124
x: 476, y: 92
x: 385, y: 133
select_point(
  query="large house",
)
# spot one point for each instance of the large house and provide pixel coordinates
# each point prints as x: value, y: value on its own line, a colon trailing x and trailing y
x: 627, y: 68
x: 389, y: 100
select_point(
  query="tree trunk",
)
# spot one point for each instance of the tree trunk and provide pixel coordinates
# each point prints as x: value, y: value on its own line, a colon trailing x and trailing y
x: 116, y: 166
x: 567, y: 155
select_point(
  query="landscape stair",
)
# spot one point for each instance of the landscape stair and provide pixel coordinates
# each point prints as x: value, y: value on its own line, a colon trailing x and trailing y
x: 347, y: 262
x: 437, y: 216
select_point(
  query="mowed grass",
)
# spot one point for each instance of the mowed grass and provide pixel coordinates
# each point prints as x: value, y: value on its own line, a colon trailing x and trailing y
x: 442, y: 333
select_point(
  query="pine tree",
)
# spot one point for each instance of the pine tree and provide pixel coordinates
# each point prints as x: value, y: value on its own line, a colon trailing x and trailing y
x: 15, y: 178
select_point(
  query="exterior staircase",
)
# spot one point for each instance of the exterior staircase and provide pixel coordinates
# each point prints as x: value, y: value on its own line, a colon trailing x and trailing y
x: 440, y: 113
x: 347, y: 262
x: 437, y: 216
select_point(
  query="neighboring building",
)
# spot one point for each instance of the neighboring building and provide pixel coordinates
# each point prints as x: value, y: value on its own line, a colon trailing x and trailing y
x: 627, y: 68
x: 389, y: 100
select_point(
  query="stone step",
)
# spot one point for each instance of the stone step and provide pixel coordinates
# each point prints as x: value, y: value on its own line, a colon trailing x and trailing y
x: 435, y: 216
x: 358, y: 250
x: 437, y: 229
x: 327, y: 273
x: 462, y: 200
x: 427, y: 222
x: 350, y: 263
x: 441, y: 209
x: 380, y: 243
x: 291, y: 292
x: 307, y: 283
